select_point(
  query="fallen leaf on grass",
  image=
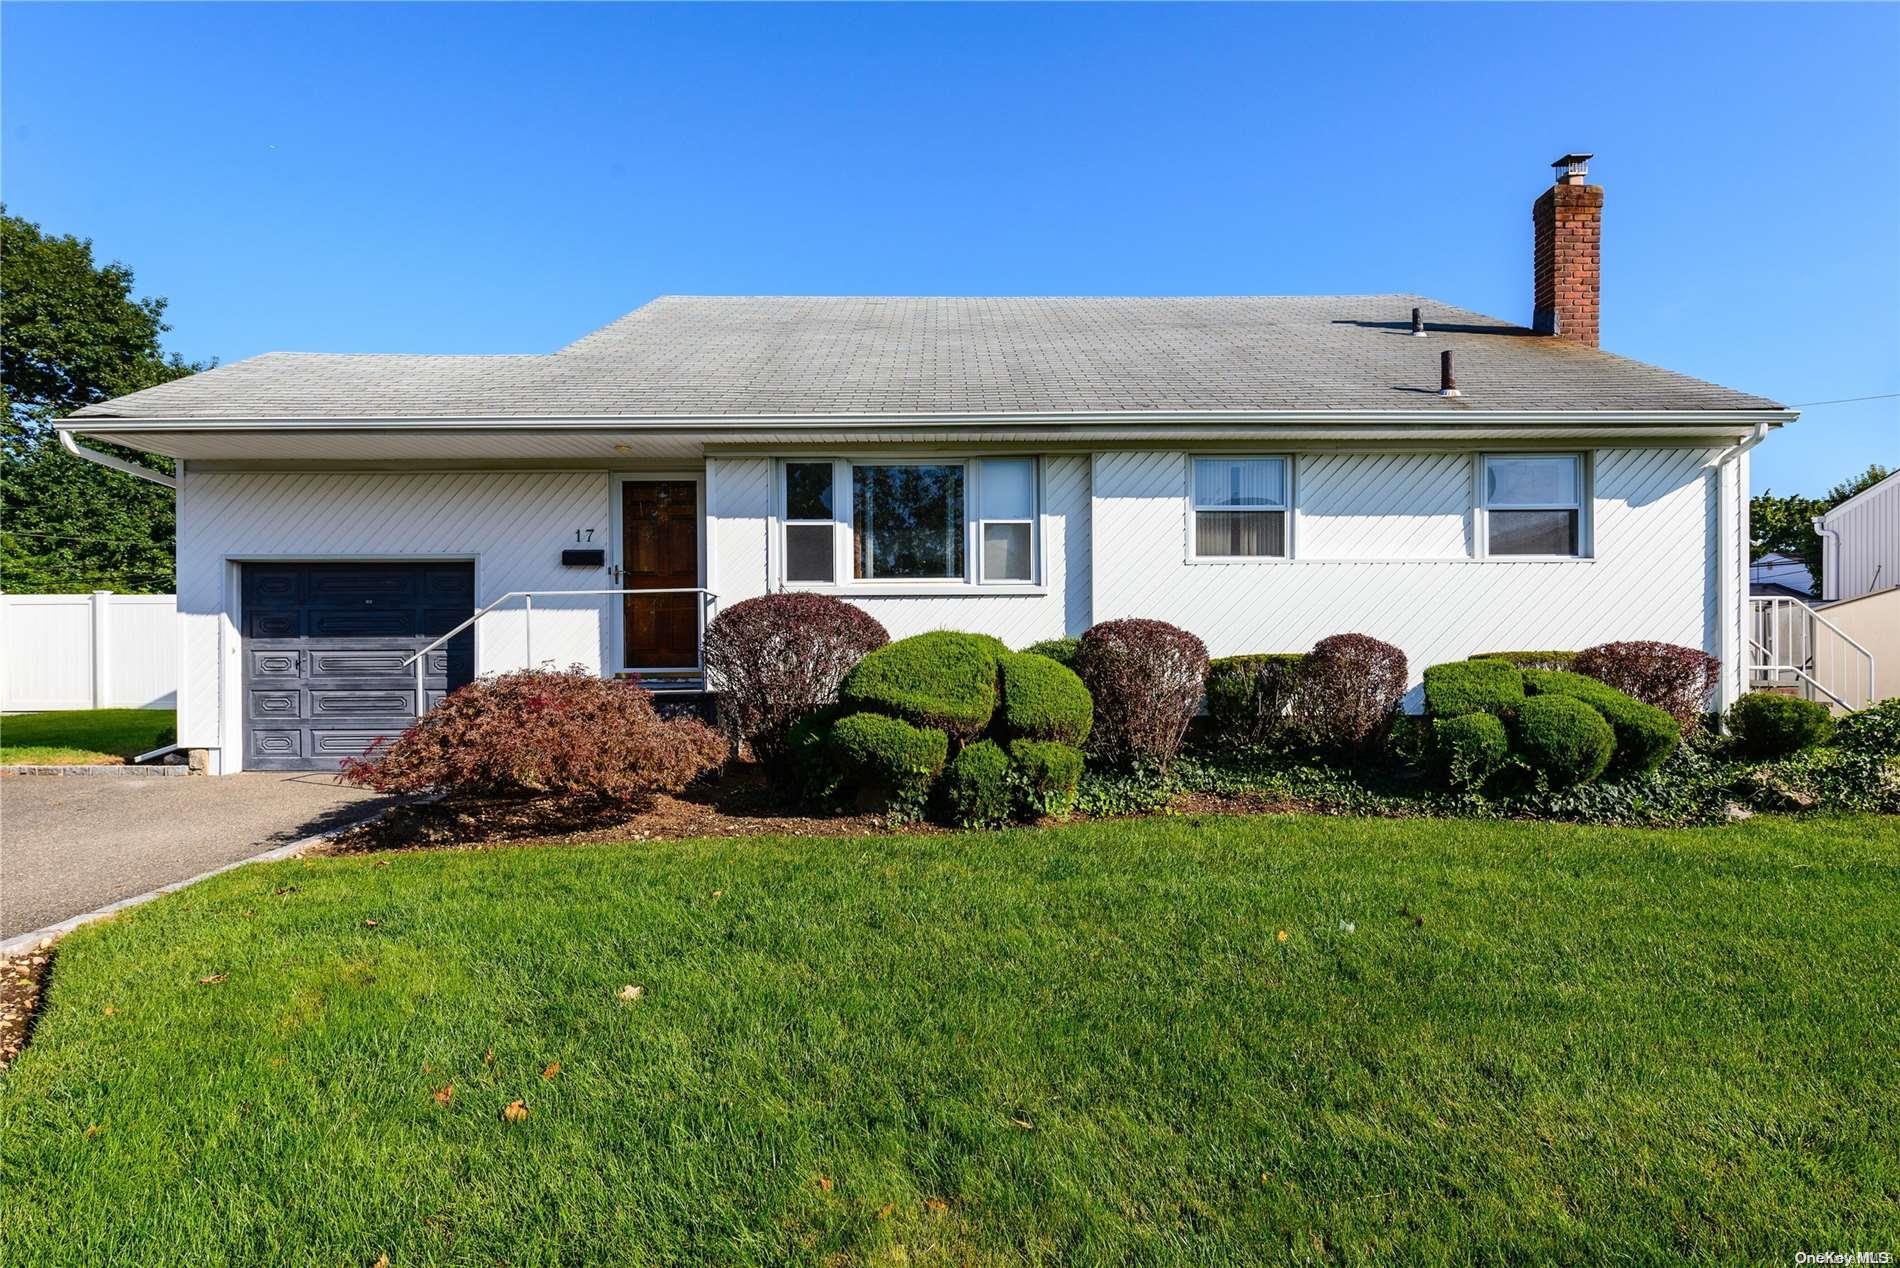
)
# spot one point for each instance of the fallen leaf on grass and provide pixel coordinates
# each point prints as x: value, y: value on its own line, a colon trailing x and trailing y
x: 554, y: 1068
x: 935, y: 1204
x: 369, y: 924
x: 884, y: 1212
x: 488, y: 1058
x: 1024, y: 1123
x: 445, y: 1094
x: 1281, y: 936
x: 110, y: 1010
x: 93, y: 1131
x: 629, y: 993
x: 514, y: 1112
x: 213, y: 980
x: 382, y: 1261
x: 824, y: 1182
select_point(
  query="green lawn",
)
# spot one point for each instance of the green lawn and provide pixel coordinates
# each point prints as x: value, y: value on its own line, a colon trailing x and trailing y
x: 83, y: 736
x: 1500, y: 1043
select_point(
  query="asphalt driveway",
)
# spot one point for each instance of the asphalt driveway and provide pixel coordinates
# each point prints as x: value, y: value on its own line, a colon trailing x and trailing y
x: 71, y: 844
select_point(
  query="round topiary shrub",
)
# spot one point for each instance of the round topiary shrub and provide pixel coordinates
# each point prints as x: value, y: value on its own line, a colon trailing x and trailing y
x: 1470, y: 747
x: 1146, y: 679
x: 942, y: 679
x: 1060, y: 650
x: 1874, y: 730
x: 892, y: 762
x: 1047, y: 774
x: 977, y: 791
x: 1563, y: 739
x: 1349, y: 689
x: 1042, y: 700
x: 1768, y: 724
x: 776, y: 658
x: 1645, y: 734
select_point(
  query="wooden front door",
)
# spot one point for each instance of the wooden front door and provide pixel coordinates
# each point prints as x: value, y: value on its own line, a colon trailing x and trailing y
x: 659, y: 550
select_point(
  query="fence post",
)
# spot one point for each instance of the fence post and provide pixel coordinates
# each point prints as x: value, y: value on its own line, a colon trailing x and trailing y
x: 101, y: 648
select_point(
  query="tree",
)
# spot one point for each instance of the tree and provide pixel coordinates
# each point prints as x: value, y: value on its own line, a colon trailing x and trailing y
x: 1785, y: 525
x: 71, y: 334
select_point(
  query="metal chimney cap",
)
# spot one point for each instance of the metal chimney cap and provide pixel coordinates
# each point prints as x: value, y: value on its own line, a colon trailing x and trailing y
x: 1572, y: 168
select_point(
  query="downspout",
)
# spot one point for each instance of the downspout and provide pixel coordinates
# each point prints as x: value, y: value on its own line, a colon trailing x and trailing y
x: 113, y: 463
x: 1733, y: 616
x: 1830, y: 558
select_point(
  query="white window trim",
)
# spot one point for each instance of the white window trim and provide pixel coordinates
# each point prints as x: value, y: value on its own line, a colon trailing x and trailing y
x: 843, y: 522
x: 1584, y: 506
x: 1290, y: 509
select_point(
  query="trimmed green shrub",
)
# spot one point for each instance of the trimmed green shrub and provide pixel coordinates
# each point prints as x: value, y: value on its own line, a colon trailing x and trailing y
x: 1563, y: 739
x: 1472, y: 747
x: 1248, y: 696
x: 1044, y: 700
x: 1472, y: 686
x: 1047, y: 774
x: 1532, y: 660
x: 889, y: 756
x: 1645, y: 734
x: 942, y: 679
x: 1874, y: 730
x: 1059, y: 650
x: 977, y: 791
x: 1768, y: 724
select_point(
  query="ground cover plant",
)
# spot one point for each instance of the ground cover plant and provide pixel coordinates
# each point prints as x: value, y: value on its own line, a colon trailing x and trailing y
x: 1207, y: 1040
x: 83, y: 737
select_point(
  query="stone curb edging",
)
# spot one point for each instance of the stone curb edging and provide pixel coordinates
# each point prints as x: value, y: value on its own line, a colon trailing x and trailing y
x: 27, y: 941
x: 105, y: 768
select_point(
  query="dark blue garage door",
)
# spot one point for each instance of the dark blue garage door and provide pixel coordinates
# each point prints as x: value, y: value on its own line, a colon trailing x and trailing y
x: 324, y: 646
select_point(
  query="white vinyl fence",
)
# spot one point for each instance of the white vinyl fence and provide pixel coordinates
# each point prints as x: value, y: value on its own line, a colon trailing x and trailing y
x: 88, y: 651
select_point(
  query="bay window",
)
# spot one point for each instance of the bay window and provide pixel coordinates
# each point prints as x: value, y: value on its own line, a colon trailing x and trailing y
x: 949, y: 521
x: 1533, y: 504
x: 1239, y: 508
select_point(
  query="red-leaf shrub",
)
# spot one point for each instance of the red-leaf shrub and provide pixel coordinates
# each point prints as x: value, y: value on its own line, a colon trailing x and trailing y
x: 776, y: 658
x: 1146, y: 678
x: 1349, y: 689
x: 1675, y: 679
x: 546, y: 733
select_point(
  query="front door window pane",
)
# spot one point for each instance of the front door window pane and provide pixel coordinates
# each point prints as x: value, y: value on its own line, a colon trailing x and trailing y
x: 907, y: 522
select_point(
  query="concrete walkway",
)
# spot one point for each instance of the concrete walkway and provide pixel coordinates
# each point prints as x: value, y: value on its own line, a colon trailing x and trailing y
x: 70, y: 845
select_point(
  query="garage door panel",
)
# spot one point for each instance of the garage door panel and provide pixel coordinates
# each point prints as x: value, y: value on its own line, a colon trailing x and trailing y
x: 324, y: 653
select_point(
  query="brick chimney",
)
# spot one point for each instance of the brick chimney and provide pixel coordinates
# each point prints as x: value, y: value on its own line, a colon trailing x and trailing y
x: 1568, y: 221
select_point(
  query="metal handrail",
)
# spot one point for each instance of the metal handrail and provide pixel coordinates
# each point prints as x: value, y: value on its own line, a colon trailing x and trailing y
x: 1774, y: 605
x: 528, y: 597
x: 1768, y: 664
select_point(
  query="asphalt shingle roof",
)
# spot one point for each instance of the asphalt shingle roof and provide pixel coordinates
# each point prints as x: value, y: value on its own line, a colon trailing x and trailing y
x: 684, y: 356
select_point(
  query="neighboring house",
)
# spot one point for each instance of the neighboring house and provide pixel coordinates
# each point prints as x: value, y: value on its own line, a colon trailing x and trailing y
x: 1780, y: 576
x: 1860, y: 543
x: 1263, y: 471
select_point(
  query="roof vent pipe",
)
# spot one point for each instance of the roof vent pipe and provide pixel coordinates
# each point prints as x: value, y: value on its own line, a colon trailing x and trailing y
x: 1418, y: 325
x: 1447, y: 386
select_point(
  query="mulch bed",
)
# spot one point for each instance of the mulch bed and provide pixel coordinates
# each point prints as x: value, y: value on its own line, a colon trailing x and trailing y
x: 22, y: 980
x: 740, y: 804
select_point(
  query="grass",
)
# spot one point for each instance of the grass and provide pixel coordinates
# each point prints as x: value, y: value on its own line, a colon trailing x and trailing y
x: 1500, y: 1043
x: 89, y: 737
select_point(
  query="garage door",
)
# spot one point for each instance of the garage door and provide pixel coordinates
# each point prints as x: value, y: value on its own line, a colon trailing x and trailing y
x: 324, y: 646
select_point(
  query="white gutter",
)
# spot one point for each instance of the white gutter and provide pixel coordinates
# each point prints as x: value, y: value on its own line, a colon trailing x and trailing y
x: 113, y: 463
x: 1443, y: 418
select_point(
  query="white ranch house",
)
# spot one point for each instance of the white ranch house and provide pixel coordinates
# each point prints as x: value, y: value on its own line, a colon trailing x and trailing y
x: 1263, y: 471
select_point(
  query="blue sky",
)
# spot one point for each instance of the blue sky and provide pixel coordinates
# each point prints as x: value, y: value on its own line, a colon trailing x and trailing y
x: 503, y: 178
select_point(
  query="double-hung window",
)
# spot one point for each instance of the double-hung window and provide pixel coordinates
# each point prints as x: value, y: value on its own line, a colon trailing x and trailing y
x: 1533, y: 504
x: 1239, y: 508
x: 951, y: 521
